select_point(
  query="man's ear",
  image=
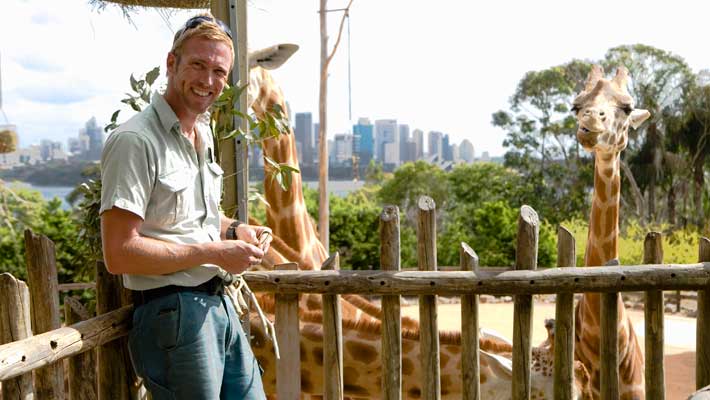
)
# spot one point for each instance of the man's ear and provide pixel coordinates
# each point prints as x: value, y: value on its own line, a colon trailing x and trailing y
x: 170, y: 62
x: 638, y: 116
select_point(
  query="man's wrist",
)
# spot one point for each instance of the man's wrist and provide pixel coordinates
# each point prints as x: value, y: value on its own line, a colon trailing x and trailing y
x: 231, y: 233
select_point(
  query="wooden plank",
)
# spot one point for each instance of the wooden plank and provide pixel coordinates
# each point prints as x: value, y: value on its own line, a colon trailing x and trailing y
x: 428, y: 318
x: 564, y: 321
x: 525, y: 259
x: 332, y: 339
x: 81, y: 369
x: 702, y: 339
x: 609, y: 347
x: 65, y: 287
x: 653, y: 317
x: 471, y: 373
x: 288, y: 367
x: 113, y: 376
x: 14, y: 326
x: 390, y: 260
x: 23, y: 356
x: 44, y: 297
x: 456, y: 283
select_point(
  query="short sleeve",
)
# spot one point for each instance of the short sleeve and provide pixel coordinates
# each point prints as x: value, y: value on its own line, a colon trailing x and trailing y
x: 127, y: 173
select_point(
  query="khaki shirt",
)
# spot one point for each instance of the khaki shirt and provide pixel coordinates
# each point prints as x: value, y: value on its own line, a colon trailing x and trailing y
x: 148, y: 167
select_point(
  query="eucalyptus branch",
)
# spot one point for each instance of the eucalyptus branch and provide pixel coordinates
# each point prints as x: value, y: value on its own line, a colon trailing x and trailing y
x: 340, y: 34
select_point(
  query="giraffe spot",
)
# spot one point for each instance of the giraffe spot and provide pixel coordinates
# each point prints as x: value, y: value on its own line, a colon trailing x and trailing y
x: 414, y: 393
x: 443, y: 360
x: 312, y: 332
x: 595, y: 217
x: 362, y: 352
x: 407, y: 366
x: 318, y: 356
x: 483, y: 376
x: 453, y: 349
x: 445, y: 383
x: 263, y: 362
x: 350, y: 376
x: 599, y: 188
x: 313, y: 302
x: 306, y: 383
x: 407, y: 346
x: 355, y: 390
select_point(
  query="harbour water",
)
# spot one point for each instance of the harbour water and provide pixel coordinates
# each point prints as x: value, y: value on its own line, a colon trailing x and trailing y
x: 337, y: 188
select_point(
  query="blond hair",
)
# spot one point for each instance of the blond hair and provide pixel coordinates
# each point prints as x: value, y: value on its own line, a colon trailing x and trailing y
x: 205, y: 29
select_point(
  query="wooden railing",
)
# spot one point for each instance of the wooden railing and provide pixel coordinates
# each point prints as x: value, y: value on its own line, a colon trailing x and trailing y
x: 28, y: 353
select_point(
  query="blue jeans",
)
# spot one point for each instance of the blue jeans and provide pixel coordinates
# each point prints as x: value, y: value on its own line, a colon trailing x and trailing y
x: 190, y: 345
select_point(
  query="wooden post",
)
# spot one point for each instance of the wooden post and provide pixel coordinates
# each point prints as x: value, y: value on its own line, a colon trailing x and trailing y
x: 332, y: 339
x: 609, y: 344
x: 471, y: 373
x: 14, y: 326
x: 429, y: 331
x: 288, y: 367
x: 390, y: 260
x: 82, y: 368
x: 702, y: 339
x: 113, y: 376
x: 44, y: 297
x: 564, y: 321
x: 653, y: 317
x: 525, y: 258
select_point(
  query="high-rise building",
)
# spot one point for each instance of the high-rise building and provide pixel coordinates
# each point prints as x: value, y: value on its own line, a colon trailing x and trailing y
x: 51, y: 150
x: 343, y: 147
x: 403, y: 140
x: 446, y: 149
x: 316, y: 143
x: 363, y: 140
x: 466, y: 151
x: 96, y: 139
x: 304, y: 136
x: 418, y: 139
x: 386, y: 132
x: 434, y: 146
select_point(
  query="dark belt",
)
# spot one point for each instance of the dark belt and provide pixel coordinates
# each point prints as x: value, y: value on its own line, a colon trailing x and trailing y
x: 214, y: 286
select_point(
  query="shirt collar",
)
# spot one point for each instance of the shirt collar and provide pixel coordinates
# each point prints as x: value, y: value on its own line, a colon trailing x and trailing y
x: 165, y: 113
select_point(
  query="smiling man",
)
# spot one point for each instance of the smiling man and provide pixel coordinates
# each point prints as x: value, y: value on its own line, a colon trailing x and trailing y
x: 162, y: 229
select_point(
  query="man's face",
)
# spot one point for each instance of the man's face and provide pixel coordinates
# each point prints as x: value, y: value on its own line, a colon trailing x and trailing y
x: 197, y: 77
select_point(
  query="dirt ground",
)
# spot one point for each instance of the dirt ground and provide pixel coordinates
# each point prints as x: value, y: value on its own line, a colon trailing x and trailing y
x: 679, y: 336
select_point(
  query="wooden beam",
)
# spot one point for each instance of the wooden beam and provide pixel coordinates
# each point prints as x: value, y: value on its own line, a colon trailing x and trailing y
x: 564, y: 321
x: 470, y: 370
x: 332, y: 340
x: 14, y: 326
x: 288, y: 367
x: 653, y: 318
x: 390, y: 260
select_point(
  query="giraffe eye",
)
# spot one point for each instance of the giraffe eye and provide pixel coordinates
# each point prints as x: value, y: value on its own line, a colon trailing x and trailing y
x: 575, y: 109
x: 626, y: 108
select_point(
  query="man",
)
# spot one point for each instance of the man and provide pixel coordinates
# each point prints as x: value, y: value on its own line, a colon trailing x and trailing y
x: 162, y: 229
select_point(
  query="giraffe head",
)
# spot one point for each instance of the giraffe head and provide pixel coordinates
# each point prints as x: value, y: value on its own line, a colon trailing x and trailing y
x: 604, y: 111
x: 269, y: 58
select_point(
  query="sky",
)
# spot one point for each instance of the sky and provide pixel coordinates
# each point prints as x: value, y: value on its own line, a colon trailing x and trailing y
x: 444, y: 65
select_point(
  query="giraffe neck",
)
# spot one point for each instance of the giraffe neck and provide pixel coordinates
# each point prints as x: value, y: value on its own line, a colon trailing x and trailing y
x: 602, y: 246
x: 287, y: 215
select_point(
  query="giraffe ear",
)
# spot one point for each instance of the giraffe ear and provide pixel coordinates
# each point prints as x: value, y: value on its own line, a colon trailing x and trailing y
x: 637, y: 117
x: 501, y: 366
x: 272, y: 57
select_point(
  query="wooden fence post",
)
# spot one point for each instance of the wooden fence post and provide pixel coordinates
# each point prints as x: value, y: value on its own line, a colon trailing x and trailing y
x: 44, y: 297
x: 332, y: 339
x: 525, y: 258
x: 429, y: 331
x: 390, y: 260
x: 288, y: 367
x: 82, y: 368
x: 14, y: 326
x: 653, y: 317
x: 471, y: 373
x: 564, y: 321
x: 702, y: 339
x: 609, y: 343
x: 114, y: 376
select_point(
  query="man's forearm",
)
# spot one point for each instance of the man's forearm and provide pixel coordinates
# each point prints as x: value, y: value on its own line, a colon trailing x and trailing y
x: 148, y: 256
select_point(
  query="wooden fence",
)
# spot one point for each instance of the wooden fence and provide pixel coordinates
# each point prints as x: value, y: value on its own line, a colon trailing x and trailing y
x: 39, y: 353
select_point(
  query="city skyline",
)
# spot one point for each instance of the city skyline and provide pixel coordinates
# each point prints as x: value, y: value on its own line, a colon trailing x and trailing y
x: 446, y: 67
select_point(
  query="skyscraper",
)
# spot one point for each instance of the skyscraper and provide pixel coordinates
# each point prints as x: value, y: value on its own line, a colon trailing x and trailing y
x: 434, y: 146
x: 304, y: 136
x: 418, y: 139
x: 386, y: 132
x: 96, y: 139
x: 403, y: 140
x: 446, y: 149
x: 343, y: 147
x: 466, y: 151
x: 363, y: 140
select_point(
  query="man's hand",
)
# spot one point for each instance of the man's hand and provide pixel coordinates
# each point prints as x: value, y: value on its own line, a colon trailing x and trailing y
x: 259, y: 236
x: 236, y: 256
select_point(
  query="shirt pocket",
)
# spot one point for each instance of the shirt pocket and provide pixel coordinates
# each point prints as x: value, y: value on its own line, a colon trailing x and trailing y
x: 216, y: 174
x: 175, y: 196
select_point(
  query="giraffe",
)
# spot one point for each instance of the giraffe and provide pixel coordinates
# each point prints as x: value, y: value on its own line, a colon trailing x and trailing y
x: 298, y: 241
x: 604, y: 111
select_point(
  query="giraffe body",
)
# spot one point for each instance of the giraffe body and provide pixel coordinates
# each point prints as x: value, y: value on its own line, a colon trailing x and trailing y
x: 605, y: 111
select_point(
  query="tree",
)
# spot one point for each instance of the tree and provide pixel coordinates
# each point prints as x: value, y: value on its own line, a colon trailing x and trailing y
x: 411, y: 181
x: 659, y: 80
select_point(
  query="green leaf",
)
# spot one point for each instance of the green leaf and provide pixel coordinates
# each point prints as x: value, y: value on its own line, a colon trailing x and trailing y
x: 151, y: 76
x: 134, y: 84
x: 114, y: 116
